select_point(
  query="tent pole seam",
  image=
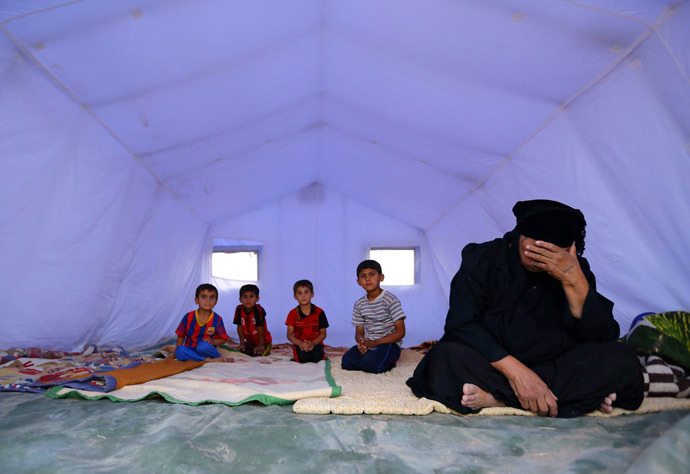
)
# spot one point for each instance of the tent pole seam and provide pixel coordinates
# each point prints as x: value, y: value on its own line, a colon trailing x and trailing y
x: 42, y: 10
x: 84, y: 106
x: 674, y: 57
x: 608, y: 12
x: 407, y: 137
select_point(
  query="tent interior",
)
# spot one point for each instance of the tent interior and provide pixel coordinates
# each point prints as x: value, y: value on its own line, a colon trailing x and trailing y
x: 138, y: 136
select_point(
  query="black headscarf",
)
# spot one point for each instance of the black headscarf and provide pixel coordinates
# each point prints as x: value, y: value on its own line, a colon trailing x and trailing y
x: 551, y: 221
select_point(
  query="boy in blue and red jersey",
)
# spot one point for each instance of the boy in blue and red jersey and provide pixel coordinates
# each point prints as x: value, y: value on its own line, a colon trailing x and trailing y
x: 250, y: 318
x: 306, y: 325
x: 201, y: 331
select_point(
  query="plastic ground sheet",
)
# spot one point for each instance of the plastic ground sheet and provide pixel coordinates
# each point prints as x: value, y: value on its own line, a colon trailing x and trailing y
x: 41, y: 434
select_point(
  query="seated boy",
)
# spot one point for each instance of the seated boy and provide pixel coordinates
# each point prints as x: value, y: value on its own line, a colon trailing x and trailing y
x: 379, y: 321
x: 250, y: 318
x: 306, y: 325
x: 201, y: 331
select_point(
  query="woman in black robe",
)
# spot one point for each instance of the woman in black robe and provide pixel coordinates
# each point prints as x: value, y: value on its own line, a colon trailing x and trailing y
x: 526, y: 327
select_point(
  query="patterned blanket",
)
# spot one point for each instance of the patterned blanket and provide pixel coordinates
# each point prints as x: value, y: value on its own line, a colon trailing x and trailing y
x: 29, y: 370
x: 36, y: 370
x: 132, y: 374
x: 268, y: 380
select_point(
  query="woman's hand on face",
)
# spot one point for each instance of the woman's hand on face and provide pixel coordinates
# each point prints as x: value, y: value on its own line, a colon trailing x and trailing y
x: 560, y: 263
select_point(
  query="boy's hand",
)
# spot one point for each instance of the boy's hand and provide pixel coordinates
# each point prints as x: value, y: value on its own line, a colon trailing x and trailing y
x: 242, y: 346
x: 361, y: 346
x: 305, y: 346
x: 259, y: 350
x: 368, y: 343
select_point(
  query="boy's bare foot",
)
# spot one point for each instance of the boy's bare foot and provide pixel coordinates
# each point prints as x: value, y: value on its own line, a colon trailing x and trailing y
x: 607, y: 405
x: 475, y: 398
x: 221, y: 359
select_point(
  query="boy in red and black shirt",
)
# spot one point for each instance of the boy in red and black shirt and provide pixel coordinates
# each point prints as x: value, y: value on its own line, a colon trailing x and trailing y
x: 306, y: 325
x: 250, y: 318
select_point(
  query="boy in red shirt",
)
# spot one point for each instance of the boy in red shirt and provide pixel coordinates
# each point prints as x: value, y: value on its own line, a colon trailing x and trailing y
x: 250, y: 318
x: 201, y: 331
x: 306, y: 325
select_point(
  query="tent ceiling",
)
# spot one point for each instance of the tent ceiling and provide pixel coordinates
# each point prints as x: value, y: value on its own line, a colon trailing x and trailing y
x: 210, y: 94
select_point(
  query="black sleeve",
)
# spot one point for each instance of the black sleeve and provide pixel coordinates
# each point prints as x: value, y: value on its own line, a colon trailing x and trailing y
x: 323, y: 322
x: 597, y: 323
x: 259, y: 316
x: 469, y: 300
x: 238, y: 318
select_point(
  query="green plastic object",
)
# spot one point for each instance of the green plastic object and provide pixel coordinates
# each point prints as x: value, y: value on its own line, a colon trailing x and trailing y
x: 664, y: 334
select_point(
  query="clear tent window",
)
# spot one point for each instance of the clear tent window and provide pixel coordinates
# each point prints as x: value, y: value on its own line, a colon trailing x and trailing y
x: 236, y: 259
x: 399, y: 265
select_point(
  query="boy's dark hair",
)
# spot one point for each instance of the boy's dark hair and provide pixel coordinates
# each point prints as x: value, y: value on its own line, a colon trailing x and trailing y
x: 302, y: 283
x: 207, y: 287
x: 369, y: 264
x: 249, y: 288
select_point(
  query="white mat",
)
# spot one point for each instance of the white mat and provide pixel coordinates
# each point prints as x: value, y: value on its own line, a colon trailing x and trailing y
x: 389, y: 395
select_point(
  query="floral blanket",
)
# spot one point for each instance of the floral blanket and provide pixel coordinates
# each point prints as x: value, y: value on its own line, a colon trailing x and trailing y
x: 29, y: 370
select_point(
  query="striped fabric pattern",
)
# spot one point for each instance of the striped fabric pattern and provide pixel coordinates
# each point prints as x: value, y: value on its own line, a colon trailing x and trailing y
x: 378, y: 316
x: 662, y: 379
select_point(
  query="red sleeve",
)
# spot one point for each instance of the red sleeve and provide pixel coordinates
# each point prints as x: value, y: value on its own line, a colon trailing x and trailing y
x: 182, y: 328
x: 291, y: 317
x: 220, y: 330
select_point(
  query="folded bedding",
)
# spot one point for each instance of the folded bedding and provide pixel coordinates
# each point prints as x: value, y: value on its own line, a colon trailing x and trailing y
x: 34, y: 370
x: 134, y: 373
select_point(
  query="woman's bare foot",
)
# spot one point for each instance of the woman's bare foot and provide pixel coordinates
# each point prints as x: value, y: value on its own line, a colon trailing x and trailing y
x: 475, y: 398
x: 607, y: 405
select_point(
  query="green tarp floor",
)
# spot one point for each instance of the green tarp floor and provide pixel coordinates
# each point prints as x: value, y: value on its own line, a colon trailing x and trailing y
x: 40, y: 434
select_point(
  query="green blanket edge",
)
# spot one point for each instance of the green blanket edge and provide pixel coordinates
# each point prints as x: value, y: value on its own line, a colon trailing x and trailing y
x: 264, y: 399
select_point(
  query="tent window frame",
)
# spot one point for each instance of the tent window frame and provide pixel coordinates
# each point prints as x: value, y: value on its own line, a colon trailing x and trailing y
x: 416, y: 271
x: 242, y: 248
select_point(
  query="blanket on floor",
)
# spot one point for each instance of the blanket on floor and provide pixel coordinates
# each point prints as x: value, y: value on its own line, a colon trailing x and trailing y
x: 32, y: 370
x: 132, y: 374
x: 36, y: 370
x: 266, y: 380
x: 387, y: 394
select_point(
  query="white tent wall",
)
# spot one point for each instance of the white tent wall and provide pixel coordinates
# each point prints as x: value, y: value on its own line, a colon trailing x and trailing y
x: 134, y: 131
x: 320, y: 235
x: 620, y: 153
x: 90, y: 241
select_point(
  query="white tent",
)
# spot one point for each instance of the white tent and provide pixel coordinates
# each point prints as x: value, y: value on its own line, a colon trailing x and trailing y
x: 135, y: 132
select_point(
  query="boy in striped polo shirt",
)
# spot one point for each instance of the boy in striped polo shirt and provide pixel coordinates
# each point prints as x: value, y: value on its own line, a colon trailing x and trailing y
x: 379, y: 322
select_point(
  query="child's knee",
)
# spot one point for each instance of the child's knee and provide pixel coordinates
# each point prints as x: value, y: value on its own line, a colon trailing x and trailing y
x: 351, y: 360
x: 183, y: 353
x: 180, y: 353
x: 207, y: 350
x: 380, y: 359
x: 376, y: 366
